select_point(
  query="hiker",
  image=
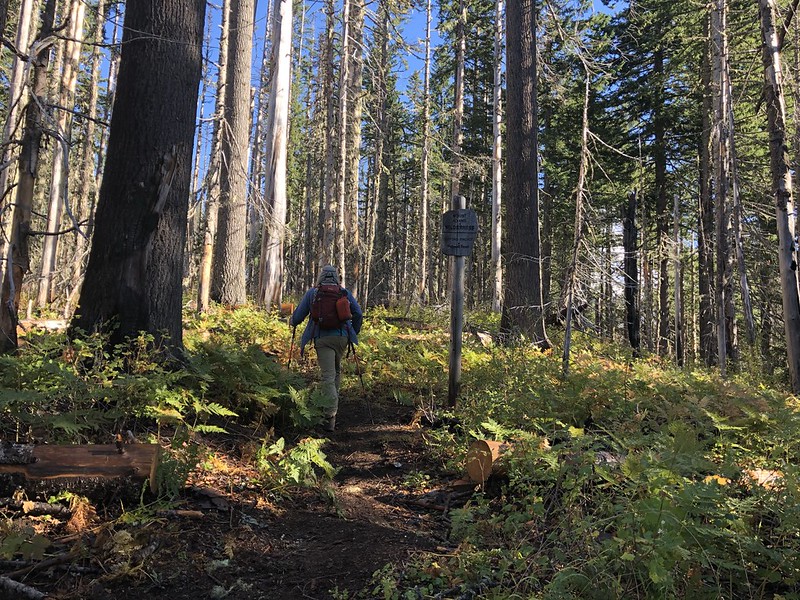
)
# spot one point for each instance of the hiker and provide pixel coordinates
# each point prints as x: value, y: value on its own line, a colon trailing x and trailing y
x: 334, y: 322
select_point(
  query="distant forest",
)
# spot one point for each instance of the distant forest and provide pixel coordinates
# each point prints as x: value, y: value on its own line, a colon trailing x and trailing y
x: 632, y: 166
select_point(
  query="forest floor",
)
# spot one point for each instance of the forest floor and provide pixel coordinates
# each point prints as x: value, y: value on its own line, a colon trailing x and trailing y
x: 233, y: 542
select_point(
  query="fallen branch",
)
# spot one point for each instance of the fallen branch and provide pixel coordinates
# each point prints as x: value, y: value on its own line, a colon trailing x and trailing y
x: 20, y: 589
x: 187, y: 514
x: 45, y: 564
x: 35, y: 509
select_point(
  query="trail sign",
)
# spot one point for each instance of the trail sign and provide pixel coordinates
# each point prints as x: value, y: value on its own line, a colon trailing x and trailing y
x: 459, y: 230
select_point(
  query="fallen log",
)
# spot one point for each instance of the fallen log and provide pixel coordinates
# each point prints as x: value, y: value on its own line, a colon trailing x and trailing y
x: 104, y: 461
x: 484, y: 459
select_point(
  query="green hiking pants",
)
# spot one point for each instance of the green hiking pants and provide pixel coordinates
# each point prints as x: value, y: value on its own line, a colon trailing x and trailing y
x: 330, y: 350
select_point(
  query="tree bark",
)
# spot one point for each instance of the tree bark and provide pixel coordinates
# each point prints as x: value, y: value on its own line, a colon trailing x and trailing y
x: 272, y: 269
x: 722, y: 160
x: 378, y: 175
x: 228, y: 278
x: 341, y: 170
x: 330, y: 224
x: 210, y: 227
x: 497, y: 179
x: 59, y: 182
x: 18, y: 256
x: 522, y: 310
x: 88, y: 192
x: 678, y: 293
x: 133, y: 278
x: 662, y: 209
x: 424, y: 273
x: 354, y: 105
x: 458, y: 100
x: 705, y: 220
x: 580, y: 200
x: 781, y: 187
x: 630, y: 267
x: 16, y: 95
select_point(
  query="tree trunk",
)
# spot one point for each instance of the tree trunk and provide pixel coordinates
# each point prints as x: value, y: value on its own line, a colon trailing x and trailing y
x: 580, y: 199
x: 677, y: 244
x: 705, y: 221
x: 88, y: 192
x: 204, y: 283
x: 271, y: 284
x: 18, y: 257
x: 747, y: 305
x: 631, y: 269
x: 354, y: 105
x: 781, y: 187
x: 16, y: 95
x: 133, y: 279
x: 522, y: 308
x: 722, y: 156
x: 381, y: 128
x: 341, y: 191
x: 196, y: 200
x: 497, y: 118
x: 458, y: 100
x: 424, y: 270
x: 228, y: 277
x: 330, y: 223
x: 59, y: 183
x: 662, y: 210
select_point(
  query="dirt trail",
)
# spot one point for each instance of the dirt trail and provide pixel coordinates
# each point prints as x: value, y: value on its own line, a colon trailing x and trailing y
x: 245, y: 547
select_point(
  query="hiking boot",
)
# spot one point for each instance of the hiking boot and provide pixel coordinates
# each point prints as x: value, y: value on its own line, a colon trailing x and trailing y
x: 329, y: 424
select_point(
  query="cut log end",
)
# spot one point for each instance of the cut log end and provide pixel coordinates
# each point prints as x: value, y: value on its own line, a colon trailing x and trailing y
x: 483, y: 459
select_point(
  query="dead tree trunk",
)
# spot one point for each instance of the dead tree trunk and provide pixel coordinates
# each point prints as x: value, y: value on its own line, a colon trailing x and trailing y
x: 18, y: 257
x: 59, y: 182
x: 228, y: 278
x: 213, y: 173
x: 271, y: 283
x: 781, y: 186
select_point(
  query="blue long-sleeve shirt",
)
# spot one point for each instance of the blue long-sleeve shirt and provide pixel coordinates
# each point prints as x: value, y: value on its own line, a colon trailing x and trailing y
x: 312, y: 331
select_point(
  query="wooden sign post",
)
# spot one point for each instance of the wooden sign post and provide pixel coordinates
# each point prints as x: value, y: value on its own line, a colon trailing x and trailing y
x: 459, y: 229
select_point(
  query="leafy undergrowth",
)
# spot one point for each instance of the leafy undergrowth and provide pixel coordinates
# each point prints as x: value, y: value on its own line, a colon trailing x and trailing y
x: 627, y: 479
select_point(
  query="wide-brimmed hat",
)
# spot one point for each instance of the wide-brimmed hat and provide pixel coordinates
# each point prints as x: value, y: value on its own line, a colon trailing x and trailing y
x: 328, y: 276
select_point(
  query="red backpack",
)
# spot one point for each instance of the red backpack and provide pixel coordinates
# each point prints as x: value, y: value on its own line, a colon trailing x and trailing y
x: 330, y: 307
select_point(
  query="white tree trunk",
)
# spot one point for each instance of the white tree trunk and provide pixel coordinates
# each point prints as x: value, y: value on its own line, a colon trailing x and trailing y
x: 270, y: 286
x: 17, y: 93
x: 59, y: 182
x: 781, y: 187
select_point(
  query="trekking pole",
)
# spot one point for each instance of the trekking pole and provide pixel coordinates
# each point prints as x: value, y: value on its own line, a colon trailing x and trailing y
x: 291, y: 348
x: 352, y: 349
